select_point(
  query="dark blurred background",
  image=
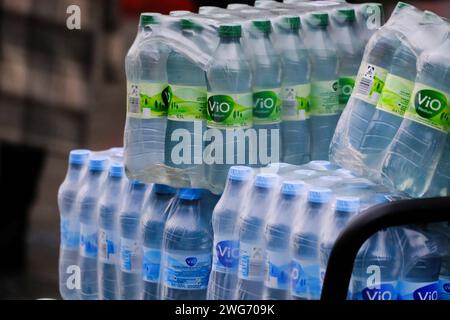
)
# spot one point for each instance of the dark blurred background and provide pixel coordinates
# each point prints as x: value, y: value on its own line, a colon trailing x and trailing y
x: 62, y: 89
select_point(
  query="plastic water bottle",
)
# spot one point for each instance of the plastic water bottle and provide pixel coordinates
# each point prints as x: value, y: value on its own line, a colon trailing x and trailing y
x: 377, y: 268
x: 108, y: 233
x: 156, y: 211
x: 130, y: 241
x: 187, y: 109
x: 230, y: 101
x: 266, y: 66
x: 324, y: 85
x: 148, y: 98
x: 70, y: 224
x: 398, y: 88
x: 223, y: 278
x: 350, y: 51
x: 187, y: 247
x: 305, y: 276
x: 440, y: 185
x: 370, y: 17
x: 88, y: 205
x: 418, y: 145
x: 277, y: 236
x: 373, y: 72
x: 251, y: 238
x: 295, y: 91
x: 421, y: 266
x: 345, y: 209
x: 440, y: 233
x: 206, y: 10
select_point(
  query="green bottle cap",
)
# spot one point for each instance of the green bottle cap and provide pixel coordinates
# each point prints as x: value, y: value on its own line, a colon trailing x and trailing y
x: 188, y: 24
x: 292, y: 22
x: 230, y: 31
x: 262, y: 25
x: 346, y: 15
x: 149, y: 19
x: 320, y: 19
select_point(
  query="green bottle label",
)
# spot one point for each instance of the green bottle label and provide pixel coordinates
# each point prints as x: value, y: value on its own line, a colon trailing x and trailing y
x: 396, y: 95
x: 230, y: 111
x: 188, y: 103
x: 296, y: 104
x: 324, y: 98
x: 154, y: 99
x: 346, y: 85
x: 267, y: 106
x: 430, y: 107
x: 370, y: 83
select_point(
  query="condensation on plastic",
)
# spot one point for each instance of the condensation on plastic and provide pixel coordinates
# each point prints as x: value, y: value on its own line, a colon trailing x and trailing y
x: 419, y: 32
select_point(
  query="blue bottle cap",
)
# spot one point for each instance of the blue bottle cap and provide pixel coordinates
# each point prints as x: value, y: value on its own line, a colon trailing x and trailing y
x: 190, y: 194
x: 163, y: 189
x: 79, y: 156
x: 348, y: 204
x: 97, y: 163
x: 240, y: 173
x: 292, y: 188
x: 307, y: 173
x: 116, y: 170
x: 319, y: 195
x: 137, y: 183
x: 266, y: 180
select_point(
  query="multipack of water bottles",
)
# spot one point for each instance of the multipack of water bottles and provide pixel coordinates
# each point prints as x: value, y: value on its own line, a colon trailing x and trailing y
x: 396, y: 126
x: 268, y: 237
x: 240, y: 86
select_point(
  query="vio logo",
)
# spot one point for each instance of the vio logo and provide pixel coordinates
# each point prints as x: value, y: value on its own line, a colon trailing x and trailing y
x: 220, y: 107
x: 228, y: 253
x: 191, y: 261
x: 429, y: 103
x: 429, y: 292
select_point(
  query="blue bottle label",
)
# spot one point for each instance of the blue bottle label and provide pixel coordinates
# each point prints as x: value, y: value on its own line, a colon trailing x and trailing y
x: 251, y: 261
x: 278, y: 269
x: 129, y: 255
x: 444, y: 288
x: 418, y: 290
x: 226, y: 255
x: 88, y: 241
x: 107, y: 247
x: 305, y: 279
x: 383, y: 292
x: 186, y: 272
x: 151, y: 262
x: 70, y: 233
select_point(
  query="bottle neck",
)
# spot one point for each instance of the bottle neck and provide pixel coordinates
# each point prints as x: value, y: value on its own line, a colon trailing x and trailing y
x: 233, y: 189
x: 230, y: 40
x: 74, y: 172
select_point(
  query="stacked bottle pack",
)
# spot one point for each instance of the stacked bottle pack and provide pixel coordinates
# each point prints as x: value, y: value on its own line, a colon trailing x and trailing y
x: 268, y: 237
x: 112, y: 230
x: 396, y: 124
x: 239, y: 86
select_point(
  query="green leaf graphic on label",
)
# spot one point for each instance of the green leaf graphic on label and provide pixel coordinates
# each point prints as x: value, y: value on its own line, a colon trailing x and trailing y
x: 153, y: 103
x: 429, y: 103
x: 265, y: 103
x: 166, y: 96
x: 303, y: 104
x: 220, y: 107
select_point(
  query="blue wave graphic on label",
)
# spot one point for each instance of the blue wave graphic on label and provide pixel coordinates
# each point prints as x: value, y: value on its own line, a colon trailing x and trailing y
x: 88, y: 241
x: 278, y: 270
x: 305, y: 282
x: 444, y: 289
